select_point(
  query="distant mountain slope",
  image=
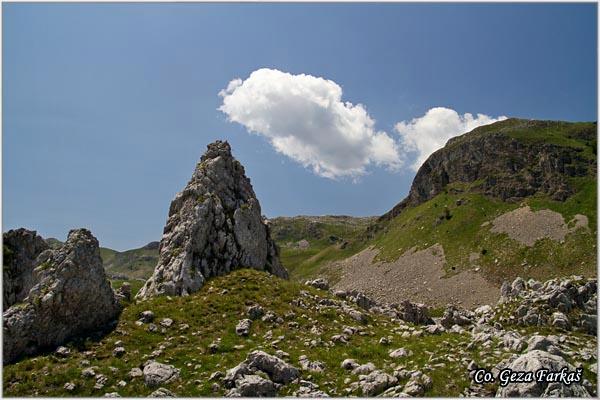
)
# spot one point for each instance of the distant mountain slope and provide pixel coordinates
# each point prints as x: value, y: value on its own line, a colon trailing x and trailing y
x: 514, y: 198
x: 133, y: 264
x: 129, y: 264
x: 307, y: 242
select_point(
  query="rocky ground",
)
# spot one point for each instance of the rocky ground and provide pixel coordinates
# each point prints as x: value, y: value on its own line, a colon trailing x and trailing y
x: 276, y: 337
x: 417, y: 275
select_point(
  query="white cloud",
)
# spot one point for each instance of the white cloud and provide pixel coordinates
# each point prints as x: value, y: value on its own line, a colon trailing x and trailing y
x: 304, y: 118
x: 428, y: 133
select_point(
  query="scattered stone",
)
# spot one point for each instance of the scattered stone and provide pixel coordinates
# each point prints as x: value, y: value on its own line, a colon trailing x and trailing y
x: 156, y: 373
x: 349, y: 364
x: 135, y: 373
x: 70, y: 386
x: 119, y: 351
x: 255, y: 312
x: 456, y: 316
x: 162, y: 392
x: 62, y: 351
x: 533, y: 361
x: 399, y: 353
x: 376, y: 382
x: 313, y: 366
x: 277, y: 369
x: 364, y: 369
x: 243, y: 327
x: 146, y: 316
x: 418, y: 384
x: 415, y: 312
x: 384, y: 341
x: 124, y: 292
x: 255, y: 386
x: 166, y: 322
x: 88, y: 372
x: 319, y: 283
x: 560, y: 320
x: 270, y: 316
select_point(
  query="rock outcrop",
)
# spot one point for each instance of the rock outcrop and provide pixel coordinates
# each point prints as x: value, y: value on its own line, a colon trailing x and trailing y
x: 214, y: 226
x: 569, y: 303
x: 71, y: 296
x: 20, y: 249
x: 533, y: 362
x: 502, y: 165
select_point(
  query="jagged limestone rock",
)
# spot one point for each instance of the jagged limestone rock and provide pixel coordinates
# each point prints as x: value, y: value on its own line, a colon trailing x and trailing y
x: 214, y: 226
x: 20, y: 249
x: 71, y: 296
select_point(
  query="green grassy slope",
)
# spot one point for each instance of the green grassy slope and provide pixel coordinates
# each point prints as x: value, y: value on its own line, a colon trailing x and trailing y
x: 135, y: 264
x: 467, y: 232
x: 225, y: 300
x: 329, y: 237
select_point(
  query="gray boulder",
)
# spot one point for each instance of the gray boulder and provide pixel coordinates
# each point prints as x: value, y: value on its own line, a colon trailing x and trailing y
x: 255, y: 386
x: 277, y: 369
x: 20, y: 247
x: 376, y: 382
x: 319, y: 283
x: 72, y: 296
x: 162, y: 392
x: 400, y: 353
x: 456, y: 316
x: 156, y: 373
x: 533, y: 361
x: 214, y: 226
x: 243, y: 327
x: 417, y: 384
x: 415, y: 313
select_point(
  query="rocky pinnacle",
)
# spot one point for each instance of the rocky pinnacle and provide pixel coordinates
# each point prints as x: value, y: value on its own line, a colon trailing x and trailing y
x: 214, y: 226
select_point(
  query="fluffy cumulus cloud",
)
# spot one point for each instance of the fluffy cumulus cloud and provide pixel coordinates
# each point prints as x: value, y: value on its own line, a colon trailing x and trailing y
x: 304, y: 118
x: 428, y: 133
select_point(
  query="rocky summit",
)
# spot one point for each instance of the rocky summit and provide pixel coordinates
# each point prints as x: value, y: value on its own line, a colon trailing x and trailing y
x: 502, y: 163
x: 214, y: 226
x: 20, y: 249
x: 71, y: 296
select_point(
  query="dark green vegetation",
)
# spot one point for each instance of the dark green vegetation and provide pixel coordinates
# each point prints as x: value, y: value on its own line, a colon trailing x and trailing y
x: 329, y: 238
x: 225, y: 300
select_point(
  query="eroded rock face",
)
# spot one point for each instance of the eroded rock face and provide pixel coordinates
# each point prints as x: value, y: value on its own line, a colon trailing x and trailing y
x: 20, y: 249
x: 71, y: 296
x: 214, y: 226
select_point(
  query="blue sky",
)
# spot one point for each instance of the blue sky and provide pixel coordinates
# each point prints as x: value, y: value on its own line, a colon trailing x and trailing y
x: 107, y: 107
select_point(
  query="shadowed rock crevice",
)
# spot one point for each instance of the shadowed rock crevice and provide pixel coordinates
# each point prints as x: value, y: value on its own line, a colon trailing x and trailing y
x: 20, y: 249
x: 214, y: 226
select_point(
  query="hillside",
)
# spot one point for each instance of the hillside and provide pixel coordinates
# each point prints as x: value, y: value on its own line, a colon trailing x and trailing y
x: 515, y: 198
x: 134, y: 264
x: 310, y: 329
x: 305, y: 242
